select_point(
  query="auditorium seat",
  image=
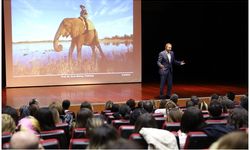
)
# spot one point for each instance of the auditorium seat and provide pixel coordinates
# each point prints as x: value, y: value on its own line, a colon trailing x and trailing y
x: 57, y: 134
x: 78, y: 133
x: 6, y: 137
x: 126, y: 130
x: 171, y: 126
x: 136, y: 137
x: 65, y: 127
x: 197, y: 140
x: 209, y: 122
x: 157, y: 115
x: 110, y: 119
x: 160, y: 121
x: 206, y: 116
x: 79, y: 143
x: 118, y: 123
x: 50, y: 144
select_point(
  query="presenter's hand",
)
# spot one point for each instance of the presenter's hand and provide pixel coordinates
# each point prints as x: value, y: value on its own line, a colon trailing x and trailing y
x: 183, y: 63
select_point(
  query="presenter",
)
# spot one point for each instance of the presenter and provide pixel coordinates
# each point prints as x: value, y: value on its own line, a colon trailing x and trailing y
x: 165, y: 62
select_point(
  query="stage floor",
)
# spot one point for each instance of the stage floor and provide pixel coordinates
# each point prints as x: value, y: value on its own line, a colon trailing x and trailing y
x: 17, y: 97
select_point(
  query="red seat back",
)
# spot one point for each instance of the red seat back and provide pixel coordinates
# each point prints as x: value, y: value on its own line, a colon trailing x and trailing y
x: 126, y: 130
x: 160, y: 121
x: 78, y: 133
x: 56, y: 134
x: 136, y: 137
x: 197, y: 140
x: 172, y: 126
x: 118, y: 123
x: 6, y: 137
x: 79, y: 143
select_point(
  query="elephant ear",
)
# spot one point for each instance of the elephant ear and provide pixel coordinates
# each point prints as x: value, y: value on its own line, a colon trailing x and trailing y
x: 73, y: 27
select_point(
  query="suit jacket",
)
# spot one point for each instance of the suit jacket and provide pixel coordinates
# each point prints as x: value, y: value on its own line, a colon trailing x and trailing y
x: 163, y: 60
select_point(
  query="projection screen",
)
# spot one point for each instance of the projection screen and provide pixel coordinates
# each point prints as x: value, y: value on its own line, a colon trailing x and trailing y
x: 70, y: 42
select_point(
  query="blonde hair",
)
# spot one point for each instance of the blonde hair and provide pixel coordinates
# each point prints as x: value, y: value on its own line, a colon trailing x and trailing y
x: 57, y: 105
x: 8, y: 124
x: 169, y: 105
x: 174, y: 115
x: 30, y: 124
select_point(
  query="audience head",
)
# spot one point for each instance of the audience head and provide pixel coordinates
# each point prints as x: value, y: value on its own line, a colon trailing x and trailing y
x: 174, y: 115
x: 93, y: 123
x: 214, y: 96
x: 122, y: 143
x: 82, y: 116
x: 56, y: 115
x: 192, y: 120
x: 238, y: 117
x: 135, y: 114
x: 57, y: 105
x: 189, y: 103
x: 140, y: 104
x: 226, y: 104
x: 169, y: 105
x: 29, y: 124
x: 230, y: 95
x: 244, y: 102
x: 24, y: 140
x: 162, y: 103
x: 124, y: 111
x: 66, y: 104
x: 115, y: 108
x: 233, y: 140
x: 215, y: 108
x: 45, y: 118
x: 12, y: 112
x: 195, y: 100
x: 101, y: 136
x: 108, y: 105
x: 148, y: 106
x: 8, y: 123
x: 174, y: 97
x: 86, y: 105
x: 131, y: 103
x: 145, y: 120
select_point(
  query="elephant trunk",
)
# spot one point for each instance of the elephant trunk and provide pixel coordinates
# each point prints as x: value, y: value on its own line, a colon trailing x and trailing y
x: 58, y: 47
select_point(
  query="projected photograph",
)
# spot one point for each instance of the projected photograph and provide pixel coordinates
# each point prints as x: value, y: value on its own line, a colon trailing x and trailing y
x: 71, y: 37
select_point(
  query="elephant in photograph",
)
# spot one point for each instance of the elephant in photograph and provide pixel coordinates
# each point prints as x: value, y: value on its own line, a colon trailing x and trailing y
x: 76, y: 29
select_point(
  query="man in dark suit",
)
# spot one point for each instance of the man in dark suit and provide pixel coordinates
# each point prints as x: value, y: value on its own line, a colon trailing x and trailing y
x: 165, y: 62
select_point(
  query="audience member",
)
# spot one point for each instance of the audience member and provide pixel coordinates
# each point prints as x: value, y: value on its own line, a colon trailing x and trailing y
x: 170, y: 105
x: 174, y: 97
x: 195, y: 100
x: 101, y: 136
x: 29, y: 124
x: 93, y: 123
x: 122, y: 143
x: 124, y: 112
x: 189, y: 103
x: 226, y: 104
x: 244, y: 102
x: 45, y: 118
x: 82, y: 116
x: 174, y: 115
x: 8, y: 124
x: 135, y: 114
x: 233, y: 140
x: 57, y: 105
x: 238, y: 118
x: 25, y: 140
x: 230, y: 95
x: 131, y: 103
x: 148, y: 106
x: 12, y: 112
x: 108, y: 105
x: 215, y: 110
x: 145, y: 120
x: 162, y: 108
x: 115, y: 108
x: 86, y: 104
x: 56, y: 115
x: 140, y: 104
x: 214, y: 96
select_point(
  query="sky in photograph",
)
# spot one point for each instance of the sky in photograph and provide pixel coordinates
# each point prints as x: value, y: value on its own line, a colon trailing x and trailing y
x: 35, y: 20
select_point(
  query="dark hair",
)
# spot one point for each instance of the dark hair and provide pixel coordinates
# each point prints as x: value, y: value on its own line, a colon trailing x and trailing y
x: 189, y: 103
x: 140, y: 104
x: 45, y: 118
x: 148, y: 106
x: 174, y: 98
x: 192, y: 120
x: 195, y: 100
x: 215, y: 96
x: 33, y: 110
x: 12, y: 112
x: 115, y: 108
x: 82, y: 117
x: 231, y: 96
x: 65, y: 104
x: 238, y: 118
x: 215, y: 108
x: 86, y: 105
x: 102, y: 135
x: 145, y: 120
x: 162, y: 103
x: 124, y: 111
x: 131, y: 103
x: 108, y: 105
x: 122, y: 143
x: 135, y: 114
x: 226, y: 104
x: 244, y: 102
x: 33, y: 101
